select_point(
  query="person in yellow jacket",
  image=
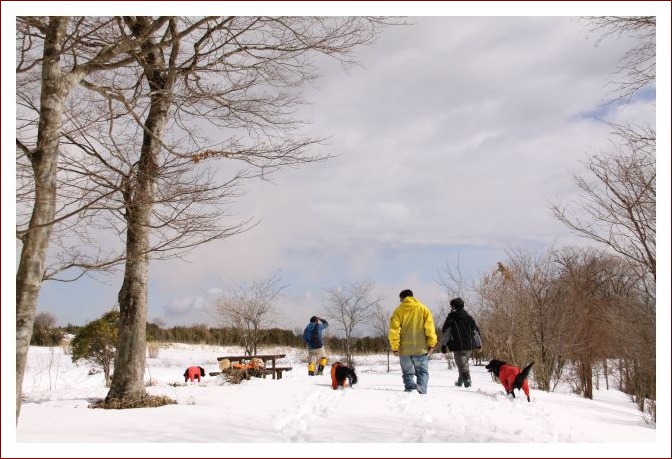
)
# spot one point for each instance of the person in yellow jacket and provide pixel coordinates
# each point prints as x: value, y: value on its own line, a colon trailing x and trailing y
x: 412, y: 337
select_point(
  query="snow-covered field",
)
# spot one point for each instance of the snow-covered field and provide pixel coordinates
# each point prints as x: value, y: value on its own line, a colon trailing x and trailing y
x: 375, y: 417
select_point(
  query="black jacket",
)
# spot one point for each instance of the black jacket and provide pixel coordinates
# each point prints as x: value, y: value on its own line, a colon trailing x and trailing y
x: 458, y: 331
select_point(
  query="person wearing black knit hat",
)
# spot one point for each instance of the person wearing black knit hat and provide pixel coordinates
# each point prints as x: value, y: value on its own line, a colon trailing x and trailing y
x: 460, y: 336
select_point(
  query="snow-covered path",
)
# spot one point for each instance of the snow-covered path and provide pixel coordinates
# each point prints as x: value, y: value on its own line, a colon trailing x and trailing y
x: 299, y: 408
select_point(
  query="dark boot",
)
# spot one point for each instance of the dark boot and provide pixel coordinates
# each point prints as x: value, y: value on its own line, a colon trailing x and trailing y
x: 467, y: 380
x: 459, y: 381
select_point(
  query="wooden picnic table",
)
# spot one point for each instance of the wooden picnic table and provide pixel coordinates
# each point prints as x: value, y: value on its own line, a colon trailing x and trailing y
x: 275, y: 370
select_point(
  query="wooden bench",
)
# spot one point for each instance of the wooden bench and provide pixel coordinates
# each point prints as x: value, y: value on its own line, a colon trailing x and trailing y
x: 278, y: 371
x: 273, y: 370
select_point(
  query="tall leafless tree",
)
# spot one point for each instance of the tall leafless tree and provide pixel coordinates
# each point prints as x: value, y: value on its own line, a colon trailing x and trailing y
x: 54, y: 54
x: 243, y: 76
x: 380, y: 324
x: 351, y: 307
x: 250, y: 309
x: 619, y: 197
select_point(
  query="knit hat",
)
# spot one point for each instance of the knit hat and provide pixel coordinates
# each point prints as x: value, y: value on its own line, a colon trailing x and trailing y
x: 457, y: 303
x: 405, y: 293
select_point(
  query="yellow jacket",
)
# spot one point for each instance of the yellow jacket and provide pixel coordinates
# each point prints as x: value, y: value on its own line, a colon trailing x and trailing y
x: 412, y: 328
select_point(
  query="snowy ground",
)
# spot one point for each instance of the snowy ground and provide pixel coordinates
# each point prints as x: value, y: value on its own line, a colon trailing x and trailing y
x: 375, y: 416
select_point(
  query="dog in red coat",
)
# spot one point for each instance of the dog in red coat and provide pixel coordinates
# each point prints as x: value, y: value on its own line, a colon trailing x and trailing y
x: 511, y: 376
x: 193, y: 372
x: 342, y: 376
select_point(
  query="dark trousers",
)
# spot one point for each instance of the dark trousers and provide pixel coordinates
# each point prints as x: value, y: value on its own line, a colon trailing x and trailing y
x: 462, y: 362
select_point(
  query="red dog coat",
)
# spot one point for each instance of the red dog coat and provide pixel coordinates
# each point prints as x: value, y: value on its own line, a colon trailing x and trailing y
x: 191, y: 373
x: 507, y: 376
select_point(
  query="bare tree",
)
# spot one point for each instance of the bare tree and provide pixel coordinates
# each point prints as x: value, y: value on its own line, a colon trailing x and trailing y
x: 620, y: 201
x: 637, y: 68
x: 537, y: 296
x: 241, y: 75
x: 45, y: 332
x: 597, y: 289
x: 350, y: 307
x: 250, y: 309
x: 520, y: 320
x: 453, y: 281
x: 53, y: 54
x: 380, y: 323
x: 502, y: 325
x: 454, y: 284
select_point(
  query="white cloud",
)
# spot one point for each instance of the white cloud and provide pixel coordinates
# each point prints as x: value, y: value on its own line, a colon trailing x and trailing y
x: 453, y: 132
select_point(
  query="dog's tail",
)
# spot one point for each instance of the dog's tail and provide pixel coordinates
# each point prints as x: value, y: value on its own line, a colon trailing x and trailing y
x: 522, y: 376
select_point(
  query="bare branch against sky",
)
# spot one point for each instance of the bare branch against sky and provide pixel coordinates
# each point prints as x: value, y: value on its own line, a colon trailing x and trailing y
x: 450, y: 136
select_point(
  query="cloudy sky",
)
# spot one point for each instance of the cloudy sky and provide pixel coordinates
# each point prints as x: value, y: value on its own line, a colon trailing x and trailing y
x: 453, y: 136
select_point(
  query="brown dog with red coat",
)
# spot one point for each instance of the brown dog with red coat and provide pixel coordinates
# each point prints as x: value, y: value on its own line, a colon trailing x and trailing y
x: 342, y: 376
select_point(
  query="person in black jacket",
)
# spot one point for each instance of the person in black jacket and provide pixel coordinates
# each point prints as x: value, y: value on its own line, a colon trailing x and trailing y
x: 458, y: 337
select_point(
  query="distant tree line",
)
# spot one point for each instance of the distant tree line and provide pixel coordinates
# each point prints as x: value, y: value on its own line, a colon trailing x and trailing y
x: 358, y: 345
x: 46, y: 333
x: 202, y: 334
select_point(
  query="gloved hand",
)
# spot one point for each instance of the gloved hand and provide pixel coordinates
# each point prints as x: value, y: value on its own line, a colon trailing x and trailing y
x: 443, y: 349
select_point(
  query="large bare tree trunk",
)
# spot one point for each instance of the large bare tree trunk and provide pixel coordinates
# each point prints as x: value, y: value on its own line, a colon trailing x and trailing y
x: 44, y: 161
x: 129, y: 363
x: 128, y: 382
